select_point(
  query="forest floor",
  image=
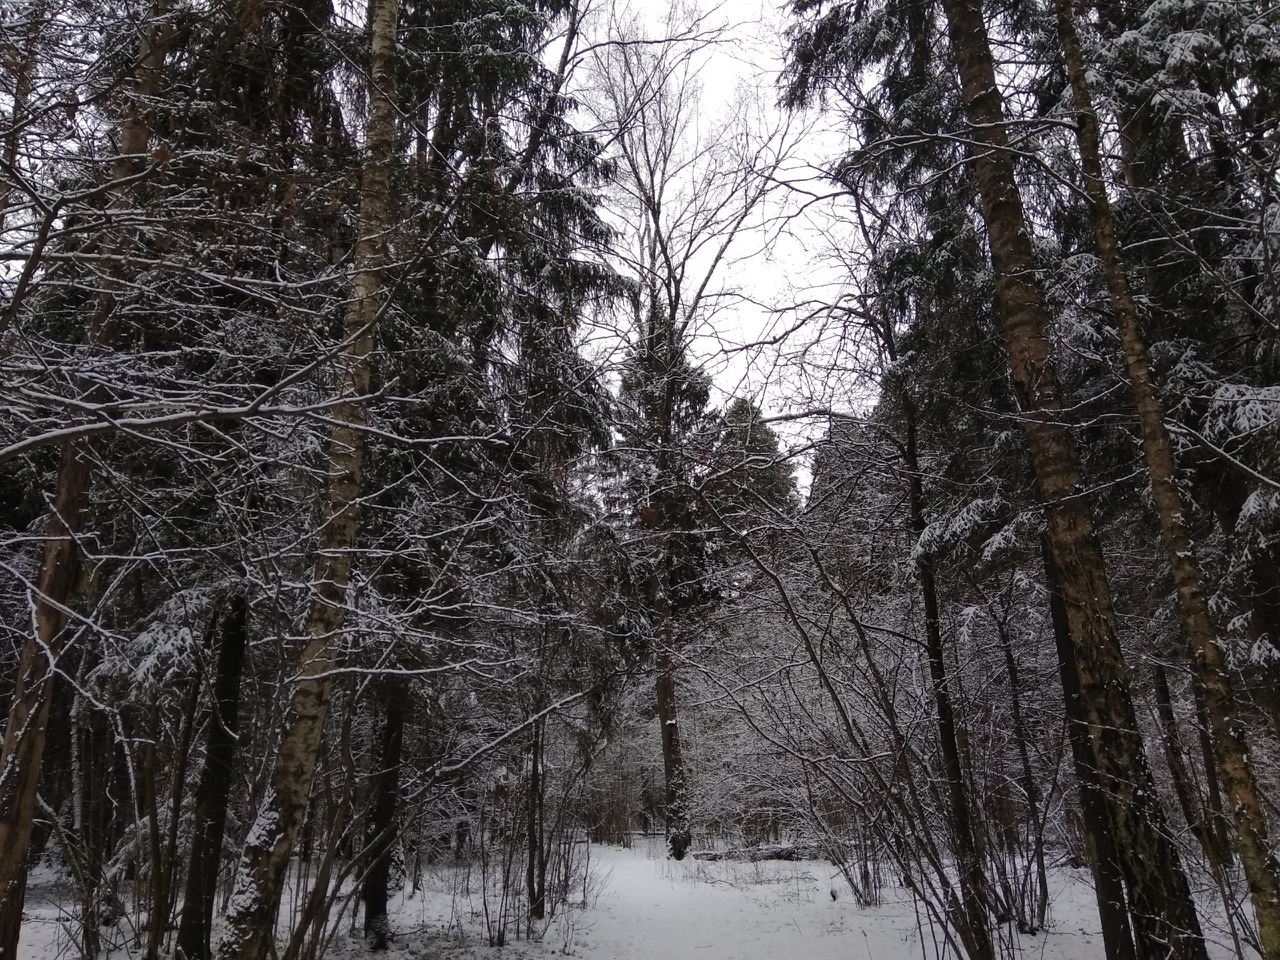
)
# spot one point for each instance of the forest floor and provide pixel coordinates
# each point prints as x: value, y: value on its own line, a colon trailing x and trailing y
x: 641, y: 906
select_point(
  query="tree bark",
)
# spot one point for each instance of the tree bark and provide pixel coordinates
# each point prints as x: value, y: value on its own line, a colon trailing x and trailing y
x: 1165, y: 920
x: 381, y: 832
x: 25, y: 732
x: 678, y: 838
x: 260, y: 876
x: 1232, y: 753
x: 1108, y: 879
x: 214, y: 790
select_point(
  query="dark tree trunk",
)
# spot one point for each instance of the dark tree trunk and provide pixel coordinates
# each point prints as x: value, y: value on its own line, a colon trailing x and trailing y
x: 214, y: 789
x: 678, y: 838
x: 1216, y: 817
x: 536, y: 862
x: 11, y: 915
x: 1108, y: 880
x: 375, y: 890
x: 975, y: 896
x: 1183, y: 787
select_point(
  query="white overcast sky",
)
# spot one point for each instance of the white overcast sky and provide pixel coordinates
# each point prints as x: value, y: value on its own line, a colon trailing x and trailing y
x: 771, y: 267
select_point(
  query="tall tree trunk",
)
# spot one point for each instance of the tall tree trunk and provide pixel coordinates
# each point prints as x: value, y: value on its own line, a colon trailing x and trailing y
x: 1259, y: 866
x: 663, y: 343
x: 1108, y: 878
x: 381, y: 832
x: 678, y: 837
x: 975, y: 895
x: 260, y: 876
x: 26, y: 730
x: 214, y: 789
x: 1164, y: 915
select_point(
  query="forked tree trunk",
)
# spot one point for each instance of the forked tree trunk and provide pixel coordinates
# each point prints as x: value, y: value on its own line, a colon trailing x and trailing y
x: 25, y: 732
x: 214, y: 790
x: 260, y: 877
x: 1159, y: 897
x: 1260, y: 868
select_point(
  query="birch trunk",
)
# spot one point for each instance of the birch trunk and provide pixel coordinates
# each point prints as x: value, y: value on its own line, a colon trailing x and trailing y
x: 1159, y: 897
x: 25, y: 732
x: 1232, y: 754
x: 259, y: 879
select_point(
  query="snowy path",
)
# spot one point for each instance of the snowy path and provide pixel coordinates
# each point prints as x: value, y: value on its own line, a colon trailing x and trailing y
x: 657, y: 910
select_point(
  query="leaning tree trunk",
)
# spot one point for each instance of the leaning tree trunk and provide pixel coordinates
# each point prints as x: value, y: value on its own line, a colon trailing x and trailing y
x: 1164, y: 915
x: 260, y: 877
x: 381, y: 833
x: 25, y: 732
x: 1232, y: 754
x: 214, y: 790
x: 1215, y: 815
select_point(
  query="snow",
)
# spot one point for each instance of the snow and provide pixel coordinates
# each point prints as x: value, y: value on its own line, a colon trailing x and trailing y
x: 641, y: 906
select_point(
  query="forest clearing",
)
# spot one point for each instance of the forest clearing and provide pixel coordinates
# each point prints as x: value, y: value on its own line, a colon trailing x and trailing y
x: 640, y: 905
x: 629, y: 478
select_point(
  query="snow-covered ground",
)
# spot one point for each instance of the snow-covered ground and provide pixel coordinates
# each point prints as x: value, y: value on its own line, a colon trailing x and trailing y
x: 641, y: 906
